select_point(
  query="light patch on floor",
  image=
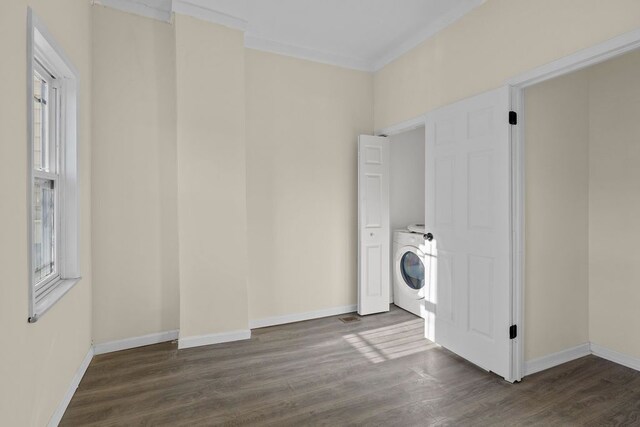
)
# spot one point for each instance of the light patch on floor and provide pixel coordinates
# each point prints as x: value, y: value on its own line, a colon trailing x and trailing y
x: 390, y: 342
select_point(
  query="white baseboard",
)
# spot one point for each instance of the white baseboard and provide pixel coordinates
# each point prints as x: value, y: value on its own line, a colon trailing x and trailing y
x: 299, y: 317
x: 200, y: 340
x: 614, y: 356
x: 62, y: 407
x: 134, y: 342
x: 555, y: 359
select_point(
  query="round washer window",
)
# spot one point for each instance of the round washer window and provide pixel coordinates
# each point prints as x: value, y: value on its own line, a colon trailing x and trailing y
x: 412, y: 270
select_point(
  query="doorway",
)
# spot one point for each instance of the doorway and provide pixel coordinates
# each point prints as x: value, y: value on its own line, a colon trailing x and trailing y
x: 582, y: 201
x: 406, y: 209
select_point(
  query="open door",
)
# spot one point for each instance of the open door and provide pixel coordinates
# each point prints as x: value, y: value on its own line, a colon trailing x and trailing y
x: 373, y: 224
x: 468, y: 213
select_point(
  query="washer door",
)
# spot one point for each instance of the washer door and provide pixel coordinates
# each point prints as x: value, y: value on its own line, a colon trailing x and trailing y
x: 411, y: 273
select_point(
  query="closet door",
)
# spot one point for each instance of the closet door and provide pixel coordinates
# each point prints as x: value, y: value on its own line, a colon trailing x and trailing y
x: 373, y: 224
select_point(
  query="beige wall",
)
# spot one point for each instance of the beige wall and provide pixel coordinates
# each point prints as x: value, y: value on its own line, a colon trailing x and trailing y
x: 38, y: 361
x: 556, y: 212
x: 614, y: 204
x: 495, y: 41
x: 303, y: 119
x: 582, y: 210
x: 212, y: 210
x: 135, y: 228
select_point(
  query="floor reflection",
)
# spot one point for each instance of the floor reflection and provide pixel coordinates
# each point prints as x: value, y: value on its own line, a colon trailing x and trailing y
x: 390, y: 342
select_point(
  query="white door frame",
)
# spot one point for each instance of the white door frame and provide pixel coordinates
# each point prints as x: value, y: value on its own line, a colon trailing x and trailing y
x: 584, y: 58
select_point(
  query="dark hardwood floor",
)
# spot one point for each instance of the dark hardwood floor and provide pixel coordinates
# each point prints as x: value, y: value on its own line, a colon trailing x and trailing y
x: 376, y: 371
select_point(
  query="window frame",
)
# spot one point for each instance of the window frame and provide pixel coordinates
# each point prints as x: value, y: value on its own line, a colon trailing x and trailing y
x: 52, y: 171
x: 45, y: 57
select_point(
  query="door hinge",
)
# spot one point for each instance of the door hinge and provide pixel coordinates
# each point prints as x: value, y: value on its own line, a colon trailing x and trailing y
x: 513, y: 331
x: 513, y: 118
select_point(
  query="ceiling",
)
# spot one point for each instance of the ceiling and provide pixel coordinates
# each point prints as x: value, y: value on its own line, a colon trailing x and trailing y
x: 360, y: 34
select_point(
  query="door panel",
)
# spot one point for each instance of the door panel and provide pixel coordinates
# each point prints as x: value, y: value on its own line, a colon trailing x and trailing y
x: 479, y: 122
x: 373, y: 224
x: 373, y: 195
x: 444, y: 288
x: 444, y: 190
x: 480, y: 190
x: 468, y: 212
x: 373, y: 277
x: 480, y: 291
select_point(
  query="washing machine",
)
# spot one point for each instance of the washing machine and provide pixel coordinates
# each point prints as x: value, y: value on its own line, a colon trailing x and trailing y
x: 411, y: 268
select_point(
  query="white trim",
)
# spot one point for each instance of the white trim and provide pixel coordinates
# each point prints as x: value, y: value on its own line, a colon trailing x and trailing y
x: 425, y: 33
x: 62, y: 407
x: 31, y: 23
x: 590, y: 56
x: 517, y: 237
x: 616, y: 357
x: 56, y: 292
x: 404, y: 126
x: 200, y: 340
x: 127, y: 343
x: 160, y: 12
x: 41, y: 45
x: 201, y: 11
x: 584, y: 58
x: 259, y: 43
x: 564, y: 356
x: 299, y: 317
x: 555, y: 359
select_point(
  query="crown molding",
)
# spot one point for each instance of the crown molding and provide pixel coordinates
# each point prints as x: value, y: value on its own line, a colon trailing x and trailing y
x: 198, y: 10
x: 424, y: 34
x: 163, y: 10
x: 159, y: 9
x: 258, y: 43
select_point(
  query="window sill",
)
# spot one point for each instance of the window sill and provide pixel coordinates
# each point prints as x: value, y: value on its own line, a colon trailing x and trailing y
x: 58, y: 291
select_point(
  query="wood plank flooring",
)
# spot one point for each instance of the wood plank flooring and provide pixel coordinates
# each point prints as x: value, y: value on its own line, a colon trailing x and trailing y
x: 377, y: 371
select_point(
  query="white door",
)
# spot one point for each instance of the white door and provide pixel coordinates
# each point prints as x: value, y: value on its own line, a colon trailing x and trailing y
x: 373, y: 224
x: 468, y: 213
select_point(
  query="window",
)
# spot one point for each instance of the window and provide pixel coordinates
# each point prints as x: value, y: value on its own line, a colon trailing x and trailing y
x: 53, y: 178
x: 46, y: 179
